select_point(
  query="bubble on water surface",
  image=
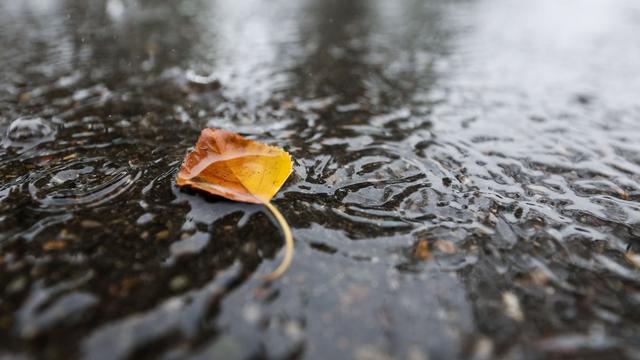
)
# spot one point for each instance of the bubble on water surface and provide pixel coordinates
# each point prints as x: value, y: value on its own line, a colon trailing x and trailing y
x: 26, y: 133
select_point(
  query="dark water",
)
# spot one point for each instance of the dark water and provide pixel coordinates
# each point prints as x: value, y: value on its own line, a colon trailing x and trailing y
x: 466, y: 183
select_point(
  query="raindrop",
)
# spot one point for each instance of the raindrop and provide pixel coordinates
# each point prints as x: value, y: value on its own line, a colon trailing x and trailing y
x: 26, y: 133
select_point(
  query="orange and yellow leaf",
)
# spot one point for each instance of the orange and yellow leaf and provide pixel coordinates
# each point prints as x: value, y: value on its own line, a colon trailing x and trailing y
x: 227, y: 164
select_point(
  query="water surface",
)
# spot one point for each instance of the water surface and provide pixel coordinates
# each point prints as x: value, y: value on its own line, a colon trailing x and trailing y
x: 466, y: 179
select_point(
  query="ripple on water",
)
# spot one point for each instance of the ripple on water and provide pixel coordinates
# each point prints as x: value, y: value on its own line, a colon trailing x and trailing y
x: 47, y: 307
x: 80, y: 183
x: 468, y: 171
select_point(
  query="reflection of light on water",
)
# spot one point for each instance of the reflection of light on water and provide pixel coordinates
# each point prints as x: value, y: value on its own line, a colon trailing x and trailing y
x: 14, y: 8
x: 35, y: 20
x: 531, y: 96
x: 244, y: 46
x: 551, y: 46
x: 115, y: 9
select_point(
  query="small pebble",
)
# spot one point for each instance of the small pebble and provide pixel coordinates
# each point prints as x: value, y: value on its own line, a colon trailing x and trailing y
x: 144, y: 218
x: 251, y: 313
x: 53, y: 245
x: 512, y: 306
x: 162, y: 235
x: 90, y: 224
x: 17, y: 285
x: 179, y: 283
x: 445, y: 246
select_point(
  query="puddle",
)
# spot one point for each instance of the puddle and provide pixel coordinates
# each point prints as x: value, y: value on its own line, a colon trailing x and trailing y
x: 466, y: 179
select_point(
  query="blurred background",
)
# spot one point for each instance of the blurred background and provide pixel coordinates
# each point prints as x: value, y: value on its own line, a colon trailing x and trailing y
x: 466, y: 179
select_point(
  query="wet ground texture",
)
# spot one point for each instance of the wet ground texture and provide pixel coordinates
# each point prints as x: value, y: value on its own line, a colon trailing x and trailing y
x: 466, y: 181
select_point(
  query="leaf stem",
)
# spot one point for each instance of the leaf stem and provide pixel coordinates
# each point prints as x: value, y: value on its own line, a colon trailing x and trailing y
x: 288, y: 240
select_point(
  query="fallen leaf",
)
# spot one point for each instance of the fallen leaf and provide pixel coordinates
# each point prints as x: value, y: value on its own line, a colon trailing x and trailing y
x: 512, y: 306
x: 633, y: 258
x: 226, y: 164
x: 163, y: 235
x: 445, y: 246
x: 539, y: 277
x: 421, y: 250
x: 53, y: 245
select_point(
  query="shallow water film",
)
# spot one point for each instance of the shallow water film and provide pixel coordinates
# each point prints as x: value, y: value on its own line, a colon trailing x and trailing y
x: 466, y: 179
